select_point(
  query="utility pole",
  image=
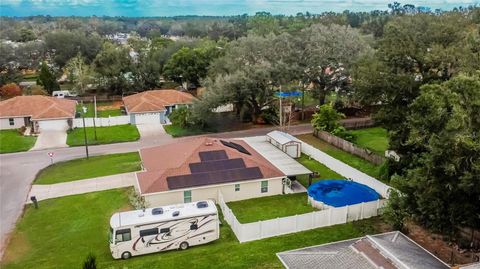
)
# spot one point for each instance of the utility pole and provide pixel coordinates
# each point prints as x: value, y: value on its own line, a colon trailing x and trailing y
x: 281, y: 110
x: 85, y: 131
x: 95, y: 116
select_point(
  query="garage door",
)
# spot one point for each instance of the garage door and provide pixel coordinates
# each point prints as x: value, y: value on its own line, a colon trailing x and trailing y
x: 147, y: 118
x: 56, y: 125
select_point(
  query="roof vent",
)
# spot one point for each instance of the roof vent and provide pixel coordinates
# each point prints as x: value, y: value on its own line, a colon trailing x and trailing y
x: 208, y: 143
x: 202, y: 204
x: 157, y: 211
x: 175, y: 213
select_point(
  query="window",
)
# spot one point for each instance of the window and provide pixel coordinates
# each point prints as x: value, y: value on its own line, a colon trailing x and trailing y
x: 164, y: 230
x: 193, y: 227
x: 147, y: 232
x: 187, y: 196
x: 237, y: 187
x: 264, y: 186
x: 123, y: 235
x: 11, y: 121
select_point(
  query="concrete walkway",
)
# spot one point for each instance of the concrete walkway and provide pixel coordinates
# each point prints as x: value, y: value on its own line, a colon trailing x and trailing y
x: 51, y: 139
x: 43, y: 192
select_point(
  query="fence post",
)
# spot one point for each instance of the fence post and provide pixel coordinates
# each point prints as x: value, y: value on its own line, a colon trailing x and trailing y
x: 346, y: 213
x: 261, y: 229
x: 329, y: 216
x: 361, y: 210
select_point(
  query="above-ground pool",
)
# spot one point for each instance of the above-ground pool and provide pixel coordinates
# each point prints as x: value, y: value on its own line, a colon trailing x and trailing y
x: 339, y: 193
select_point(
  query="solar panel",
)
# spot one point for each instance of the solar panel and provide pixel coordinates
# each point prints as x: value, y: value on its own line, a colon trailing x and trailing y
x: 213, y: 155
x: 236, y: 146
x: 216, y: 177
x: 216, y: 165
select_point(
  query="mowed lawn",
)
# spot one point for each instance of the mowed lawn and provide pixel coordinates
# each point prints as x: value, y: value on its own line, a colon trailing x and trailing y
x: 105, y: 135
x: 62, y: 232
x: 270, y: 207
x: 100, y: 113
x: 12, y: 141
x: 84, y: 168
x: 177, y: 131
x: 374, y: 139
x: 315, y: 166
x: 350, y: 159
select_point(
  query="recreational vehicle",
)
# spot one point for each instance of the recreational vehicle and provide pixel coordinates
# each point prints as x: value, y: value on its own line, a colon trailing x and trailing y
x: 164, y: 228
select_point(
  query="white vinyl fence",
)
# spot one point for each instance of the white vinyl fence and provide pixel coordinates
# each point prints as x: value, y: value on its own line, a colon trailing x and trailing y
x: 102, y: 122
x: 333, y: 215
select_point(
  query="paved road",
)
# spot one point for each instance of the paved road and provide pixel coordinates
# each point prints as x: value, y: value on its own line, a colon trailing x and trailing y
x: 18, y: 170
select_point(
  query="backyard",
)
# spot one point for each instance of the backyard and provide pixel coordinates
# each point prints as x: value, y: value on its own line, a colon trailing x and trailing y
x: 84, y: 168
x: 105, y: 135
x: 13, y: 141
x: 374, y: 139
x: 270, y: 207
x: 350, y: 159
x: 104, y: 109
x: 315, y: 166
x: 62, y: 232
x: 177, y: 131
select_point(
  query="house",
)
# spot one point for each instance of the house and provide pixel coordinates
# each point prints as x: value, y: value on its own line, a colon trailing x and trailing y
x: 37, y: 112
x: 154, y: 106
x: 199, y: 168
x: 392, y: 250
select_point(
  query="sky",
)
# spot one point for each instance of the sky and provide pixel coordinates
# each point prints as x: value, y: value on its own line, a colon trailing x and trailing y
x: 153, y: 8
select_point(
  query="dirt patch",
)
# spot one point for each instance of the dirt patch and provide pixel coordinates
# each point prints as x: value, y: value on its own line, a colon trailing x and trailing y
x: 110, y: 106
x: 435, y: 243
x: 18, y: 247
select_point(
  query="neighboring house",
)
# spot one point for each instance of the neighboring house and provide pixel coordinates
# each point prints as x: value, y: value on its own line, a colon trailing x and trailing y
x: 154, y: 106
x: 38, y: 112
x: 200, y: 168
x: 392, y: 250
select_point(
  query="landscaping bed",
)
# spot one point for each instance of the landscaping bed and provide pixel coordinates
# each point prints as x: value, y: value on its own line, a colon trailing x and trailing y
x: 13, y: 141
x: 105, y: 135
x: 315, y: 166
x: 270, y: 207
x: 350, y: 159
x: 84, y: 168
x: 62, y: 232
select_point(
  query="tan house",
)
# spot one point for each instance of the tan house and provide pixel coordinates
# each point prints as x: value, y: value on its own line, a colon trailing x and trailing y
x: 200, y: 168
x: 38, y: 112
x: 154, y: 106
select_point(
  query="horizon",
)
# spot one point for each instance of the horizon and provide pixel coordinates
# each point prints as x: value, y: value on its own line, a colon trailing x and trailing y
x: 215, y: 8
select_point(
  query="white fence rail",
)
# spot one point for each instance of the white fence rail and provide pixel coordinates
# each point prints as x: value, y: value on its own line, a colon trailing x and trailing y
x: 101, y: 122
x: 333, y: 215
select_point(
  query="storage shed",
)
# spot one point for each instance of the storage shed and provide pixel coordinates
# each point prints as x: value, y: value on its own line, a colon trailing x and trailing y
x: 286, y: 143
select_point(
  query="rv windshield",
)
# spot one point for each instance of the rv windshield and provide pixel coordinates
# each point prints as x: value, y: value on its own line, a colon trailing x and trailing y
x: 110, y: 236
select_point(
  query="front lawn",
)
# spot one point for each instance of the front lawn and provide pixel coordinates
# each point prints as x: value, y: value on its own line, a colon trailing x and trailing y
x: 100, y: 113
x: 62, y: 232
x: 374, y: 139
x: 350, y: 159
x: 105, y: 135
x: 177, y: 131
x: 97, y: 166
x: 12, y: 141
x: 270, y: 207
x: 315, y: 166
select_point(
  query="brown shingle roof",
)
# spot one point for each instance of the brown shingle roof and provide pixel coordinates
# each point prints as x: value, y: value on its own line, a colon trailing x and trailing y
x: 37, y: 107
x: 155, y: 100
x: 174, y: 160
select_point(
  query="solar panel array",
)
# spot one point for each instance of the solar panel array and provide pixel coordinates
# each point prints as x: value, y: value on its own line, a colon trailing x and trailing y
x: 216, y: 177
x: 218, y: 165
x: 213, y: 155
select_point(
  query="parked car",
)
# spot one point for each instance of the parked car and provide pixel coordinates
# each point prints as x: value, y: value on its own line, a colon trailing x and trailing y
x: 63, y: 94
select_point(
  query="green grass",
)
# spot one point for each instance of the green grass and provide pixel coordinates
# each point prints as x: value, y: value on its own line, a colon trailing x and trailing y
x: 350, y: 159
x: 84, y: 168
x: 12, y: 141
x: 323, y: 171
x: 177, y: 131
x: 62, y: 232
x: 100, y: 113
x: 374, y: 139
x: 270, y: 207
x: 105, y: 135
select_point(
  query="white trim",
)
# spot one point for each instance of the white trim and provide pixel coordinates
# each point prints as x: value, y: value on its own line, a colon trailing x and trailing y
x: 61, y: 118
x: 143, y: 112
x: 212, y: 186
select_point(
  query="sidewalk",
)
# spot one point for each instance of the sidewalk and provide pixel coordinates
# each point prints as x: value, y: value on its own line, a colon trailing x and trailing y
x: 43, y: 192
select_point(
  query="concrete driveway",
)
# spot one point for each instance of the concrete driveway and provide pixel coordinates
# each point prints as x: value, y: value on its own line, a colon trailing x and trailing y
x: 151, y: 130
x: 49, y: 139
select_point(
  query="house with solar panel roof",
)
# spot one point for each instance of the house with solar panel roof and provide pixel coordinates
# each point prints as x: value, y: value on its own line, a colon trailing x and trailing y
x: 199, y: 168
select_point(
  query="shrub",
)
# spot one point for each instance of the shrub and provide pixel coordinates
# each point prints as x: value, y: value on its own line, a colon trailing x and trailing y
x: 10, y: 90
x: 181, y: 117
x: 90, y: 262
x: 326, y: 119
x: 137, y: 201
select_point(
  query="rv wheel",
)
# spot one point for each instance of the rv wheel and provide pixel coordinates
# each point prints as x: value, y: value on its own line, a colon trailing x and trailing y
x: 183, y: 245
x: 126, y: 255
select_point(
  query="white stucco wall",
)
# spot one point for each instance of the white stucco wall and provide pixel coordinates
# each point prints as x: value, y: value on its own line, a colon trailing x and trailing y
x: 248, y: 190
x: 58, y: 125
x: 5, y: 123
